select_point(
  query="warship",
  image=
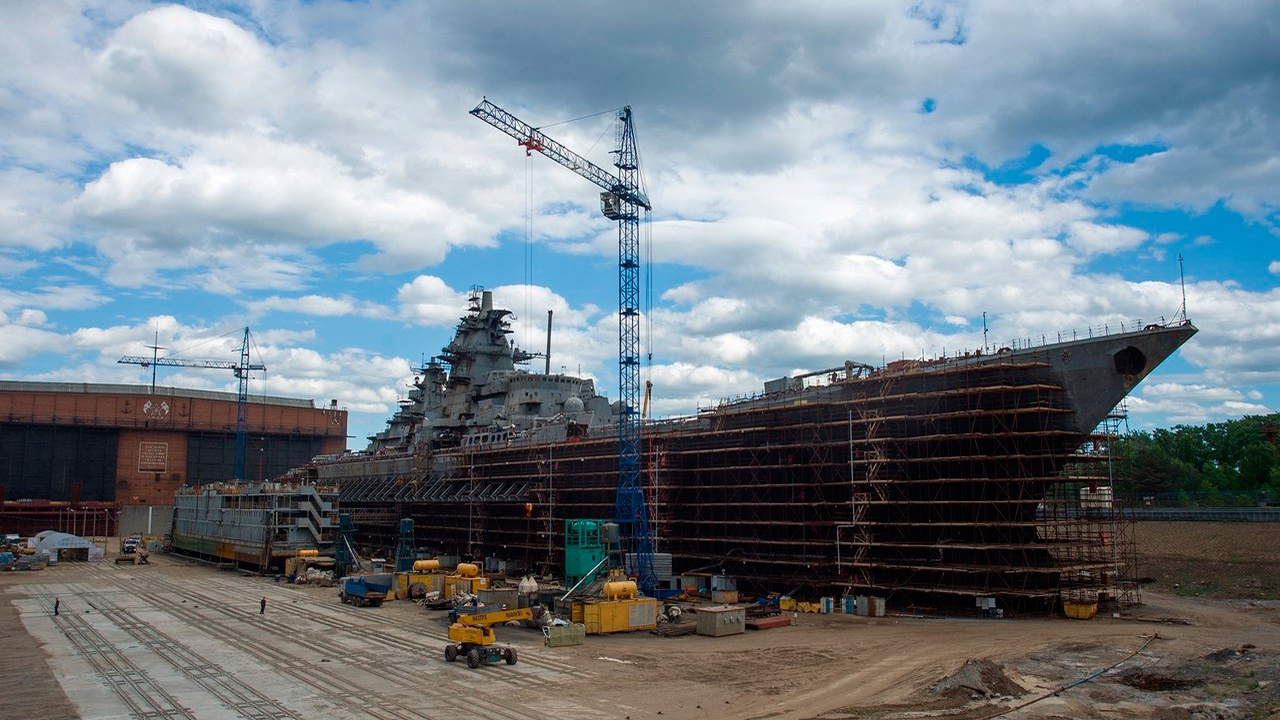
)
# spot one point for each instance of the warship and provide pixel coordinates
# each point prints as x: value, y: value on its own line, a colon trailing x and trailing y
x: 983, y: 476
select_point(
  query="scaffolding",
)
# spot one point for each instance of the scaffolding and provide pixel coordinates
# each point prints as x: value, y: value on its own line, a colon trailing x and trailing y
x: 1105, y: 550
x: 931, y: 489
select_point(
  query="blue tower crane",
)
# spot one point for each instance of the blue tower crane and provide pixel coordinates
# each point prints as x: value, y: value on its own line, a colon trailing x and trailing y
x: 241, y: 370
x: 621, y: 201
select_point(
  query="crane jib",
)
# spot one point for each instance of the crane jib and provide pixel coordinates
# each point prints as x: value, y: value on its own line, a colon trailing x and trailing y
x: 532, y: 139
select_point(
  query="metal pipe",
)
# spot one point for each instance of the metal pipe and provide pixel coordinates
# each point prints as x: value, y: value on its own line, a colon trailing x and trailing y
x: 591, y: 575
x: 853, y: 497
x: 838, y: 529
x: 548, y: 370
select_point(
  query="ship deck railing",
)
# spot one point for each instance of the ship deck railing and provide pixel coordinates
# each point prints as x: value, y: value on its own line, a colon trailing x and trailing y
x: 1060, y: 337
x: 234, y: 488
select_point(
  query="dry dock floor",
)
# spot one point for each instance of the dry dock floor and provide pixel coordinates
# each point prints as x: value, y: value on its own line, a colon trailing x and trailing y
x: 180, y: 640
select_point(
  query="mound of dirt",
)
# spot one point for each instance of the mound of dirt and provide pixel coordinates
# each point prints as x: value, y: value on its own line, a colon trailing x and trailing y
x: 1229, y: 654
x: 1223, y: 655
x: 1154, y: 681
x: 979, y: 677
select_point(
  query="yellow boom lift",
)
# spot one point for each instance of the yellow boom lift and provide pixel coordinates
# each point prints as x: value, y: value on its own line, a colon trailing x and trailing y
x: 473, y: 638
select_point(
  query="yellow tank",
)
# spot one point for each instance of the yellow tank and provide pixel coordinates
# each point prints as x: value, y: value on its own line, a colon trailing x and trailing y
x: 467, y: 570
x: 620, y: 589
x: 1080, y: 610
x: 308, y: 553
x: 423, y: 566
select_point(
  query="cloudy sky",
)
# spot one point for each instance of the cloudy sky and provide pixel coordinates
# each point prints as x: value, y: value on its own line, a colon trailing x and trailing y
x: 829, y: 181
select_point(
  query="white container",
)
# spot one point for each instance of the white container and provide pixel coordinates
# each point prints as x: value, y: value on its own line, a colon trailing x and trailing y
x: 869, y: 606
x: 721, y: 620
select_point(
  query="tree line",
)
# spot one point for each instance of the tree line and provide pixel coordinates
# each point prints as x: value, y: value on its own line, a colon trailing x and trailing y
x: 1237, y: 459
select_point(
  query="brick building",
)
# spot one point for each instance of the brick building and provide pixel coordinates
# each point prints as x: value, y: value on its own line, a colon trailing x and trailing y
x: 130, y: 445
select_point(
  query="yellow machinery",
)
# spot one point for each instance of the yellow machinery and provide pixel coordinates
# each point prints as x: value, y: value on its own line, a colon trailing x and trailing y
x: 473, y: 638
x: 296, y: 567
x: 465, y: 577
x: 611, y: 603
x: 425, y: 578
x: 621, y: 609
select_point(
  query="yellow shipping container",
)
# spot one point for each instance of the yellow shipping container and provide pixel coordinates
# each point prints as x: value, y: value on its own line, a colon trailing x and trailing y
x: 612, y: 616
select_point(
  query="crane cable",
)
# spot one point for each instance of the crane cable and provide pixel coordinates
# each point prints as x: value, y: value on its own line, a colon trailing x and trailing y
x: 647, y: 250
x: 528, y: 250
x: 540, y: 128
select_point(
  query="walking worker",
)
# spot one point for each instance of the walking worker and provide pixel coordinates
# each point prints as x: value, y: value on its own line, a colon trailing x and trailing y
x: 262, y: 606
x: 57, y: 603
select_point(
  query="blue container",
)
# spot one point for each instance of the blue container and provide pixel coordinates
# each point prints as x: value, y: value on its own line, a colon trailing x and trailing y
x: 850, y: 606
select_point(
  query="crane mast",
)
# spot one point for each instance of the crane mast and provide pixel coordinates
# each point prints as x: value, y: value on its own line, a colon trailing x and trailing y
x: 621, y: 201
x: 241, y: 371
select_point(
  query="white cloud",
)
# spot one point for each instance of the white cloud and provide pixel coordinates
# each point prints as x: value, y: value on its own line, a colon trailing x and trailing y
x: 320, y: 305
x: 187, y: 68
x: 31, y: 211
x: 1193, y: 404
x: 71, y: 297
x: 1094, y: 239
x: 429, y: 301
x: 253, y: 189
x: 303, y: 166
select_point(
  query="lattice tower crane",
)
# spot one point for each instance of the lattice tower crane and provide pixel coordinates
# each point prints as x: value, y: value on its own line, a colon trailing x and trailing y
x: 621, y: 201
x: 241, y: 369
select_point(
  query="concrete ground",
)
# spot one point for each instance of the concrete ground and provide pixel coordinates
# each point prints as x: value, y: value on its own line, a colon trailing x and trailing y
x: 179, y: 640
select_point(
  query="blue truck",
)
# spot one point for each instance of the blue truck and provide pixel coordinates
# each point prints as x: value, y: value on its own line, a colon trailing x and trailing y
x: 365, y: 590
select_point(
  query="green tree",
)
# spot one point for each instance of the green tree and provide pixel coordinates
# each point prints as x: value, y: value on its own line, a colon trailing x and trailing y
x: 1150, y: 468
x: 1256, y: 464
x: 1232, y: 456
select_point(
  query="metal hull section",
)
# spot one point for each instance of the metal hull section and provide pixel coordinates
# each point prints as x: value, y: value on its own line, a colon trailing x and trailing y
x: 254, y: 524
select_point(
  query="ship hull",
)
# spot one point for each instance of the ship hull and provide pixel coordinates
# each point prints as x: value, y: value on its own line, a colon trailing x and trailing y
x: 256, y: 525
x: 930, y: 483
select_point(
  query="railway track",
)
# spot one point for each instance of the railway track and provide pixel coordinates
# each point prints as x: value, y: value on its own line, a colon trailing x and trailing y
x: 139, y: 691
x: 173, y: 648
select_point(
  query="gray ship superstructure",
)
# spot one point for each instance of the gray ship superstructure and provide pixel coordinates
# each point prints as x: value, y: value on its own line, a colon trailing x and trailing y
x: 480, y: 400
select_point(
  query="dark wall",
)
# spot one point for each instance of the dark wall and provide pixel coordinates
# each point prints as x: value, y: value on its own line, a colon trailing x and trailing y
x: 57, y: 462
x: 78, y: 464
x: 211, y: 456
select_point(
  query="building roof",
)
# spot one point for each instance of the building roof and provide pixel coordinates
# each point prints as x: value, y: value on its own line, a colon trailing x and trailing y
x: 146, y: 390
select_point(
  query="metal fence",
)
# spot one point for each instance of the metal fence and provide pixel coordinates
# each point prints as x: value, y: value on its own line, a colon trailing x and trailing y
x: 1205, y: 499
x: 1261, y: 506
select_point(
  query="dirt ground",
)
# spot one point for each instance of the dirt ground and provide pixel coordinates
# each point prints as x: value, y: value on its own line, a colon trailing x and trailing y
x: 178, y: 640
x: 1226, y: 559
